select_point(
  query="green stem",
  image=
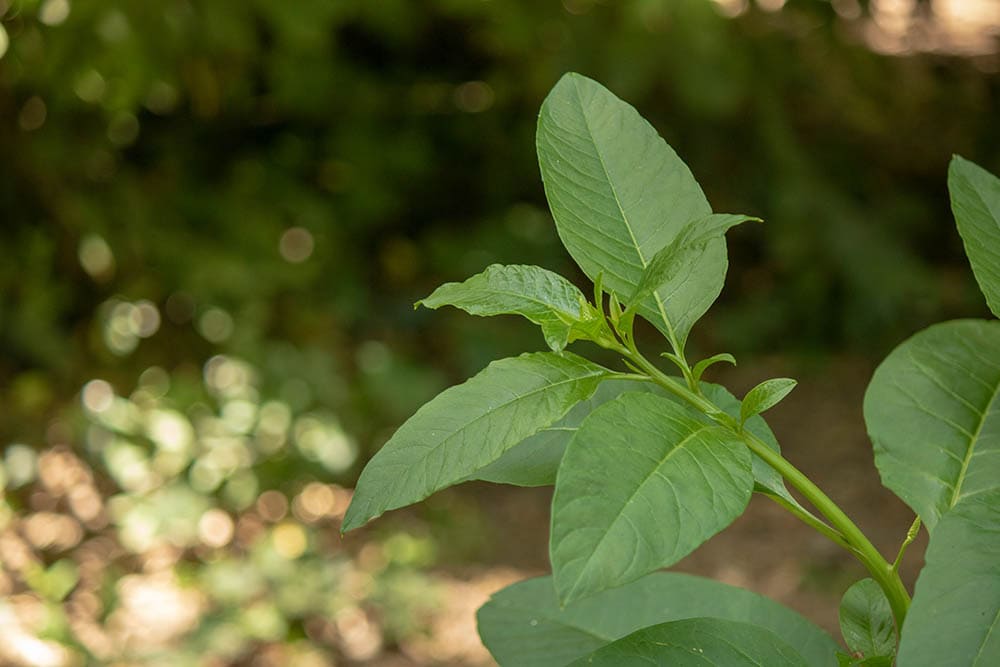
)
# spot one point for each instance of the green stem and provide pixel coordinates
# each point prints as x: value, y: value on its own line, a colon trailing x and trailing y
x: 840, y: 524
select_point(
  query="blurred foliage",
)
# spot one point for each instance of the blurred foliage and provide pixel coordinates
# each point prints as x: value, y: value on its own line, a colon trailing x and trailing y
x: 261, y: 190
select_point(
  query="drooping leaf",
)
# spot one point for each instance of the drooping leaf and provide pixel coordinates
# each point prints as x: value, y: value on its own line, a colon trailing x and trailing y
x: 544, y: 297
x: 765, y: 396
x: 641, y: 485
x: 975, y: 201
x: 933, y: 415
x: 619, y: 194
x: 535, y: 461
x: 697, y: 642
x: 703, y: 365
x: 469, y: 426
x: 524, y: 626
x: 674, y: 265
x: 866, y: 620
x: 955, y: 615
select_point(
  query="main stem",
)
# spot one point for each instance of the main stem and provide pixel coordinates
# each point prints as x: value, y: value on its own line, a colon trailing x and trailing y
x: 852, y: 537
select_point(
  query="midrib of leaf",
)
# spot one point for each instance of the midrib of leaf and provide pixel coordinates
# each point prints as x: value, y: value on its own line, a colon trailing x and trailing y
x: 970, y: 452
x: 628, y: 225
x: 527, y: 298
x: 654, y: 471
x: 986, y: 639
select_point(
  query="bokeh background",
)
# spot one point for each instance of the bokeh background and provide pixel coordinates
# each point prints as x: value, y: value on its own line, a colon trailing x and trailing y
x: 215, y: 217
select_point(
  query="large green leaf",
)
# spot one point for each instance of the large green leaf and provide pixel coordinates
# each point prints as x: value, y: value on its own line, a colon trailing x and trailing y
x: 866, y: 620
x: 469, y: 426
x: 535, y: 461
x: 524, y: 626
x: 641, y: 485
x: 619, y: 194
x: 955, y: 615
x: 933, y: 414
x: 975, y: 201
x: 544, y: 297
x: 697, y: 642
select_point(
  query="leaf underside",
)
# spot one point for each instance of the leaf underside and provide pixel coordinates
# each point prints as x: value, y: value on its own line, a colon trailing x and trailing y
x: 541, y: 296
x: 469, y: 426
x: 619, y: 194
x: 641, y: 485
x: 933, y: 414
x: 524, y: 626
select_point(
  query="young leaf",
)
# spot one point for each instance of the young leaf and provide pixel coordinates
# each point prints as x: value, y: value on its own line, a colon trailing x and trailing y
x: 674, y: 265
x: 619, y: 194
x: 702, y: 366
x: 697, y: 642
x: 524, y: 626
x: 866, y: 620
x: 544, y: 297
x: 767, y: 480
x: 933, y: 415
x: 469, y: 426
x: 641, y: 485
x: 955, y: 615
x: 975, y: 201
x: 535, y: 461
x: 765, y: 396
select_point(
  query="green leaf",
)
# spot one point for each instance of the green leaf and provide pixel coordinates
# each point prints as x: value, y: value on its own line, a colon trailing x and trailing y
x: 765, y: 396
x: 641, y: 485
x: 675, y: 264
x: 955, y: 615
x: 469, y: 426
x: 866, y: 620
x: 697, y: 642
x: 933, y: 415
x: 535, y: 461
x: 524, y: 626
x: 619, y: 194
x: 703, y: 365
x: 544, y: 297
x: 975, y: 201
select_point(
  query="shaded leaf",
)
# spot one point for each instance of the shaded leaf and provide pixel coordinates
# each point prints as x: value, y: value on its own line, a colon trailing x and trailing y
x: 955, y: 615
x: 933, y: 415
x: 619, y: 194
x: 641, y: 485
x: 544, y: 297
x: 866, y: 620
x: 975, y: 201
x: 698, y: 642
x: 703, y: 365
x: 765, y: 396
x: 469, y: 426
x: 524, y: 626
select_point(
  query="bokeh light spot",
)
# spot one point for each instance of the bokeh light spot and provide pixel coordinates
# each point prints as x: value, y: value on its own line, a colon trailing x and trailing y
x: 289, y: 540
x: 53, y: 12
x: 215, y: 528
x: 296, y: 245
x: 33, y: 114
x: 272, y: 506
x: 97, y: 396
x: 215, y: 325
x: 21, y: 462
x: 96, y: 257
x: 473, y: 96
